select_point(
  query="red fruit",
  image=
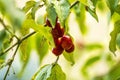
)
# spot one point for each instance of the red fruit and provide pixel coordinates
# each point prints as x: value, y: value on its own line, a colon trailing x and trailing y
x: 66, y: 42
x: 59, y: 29
x: 57, y: 50
x: 71, y: 49
x: 48, y: 23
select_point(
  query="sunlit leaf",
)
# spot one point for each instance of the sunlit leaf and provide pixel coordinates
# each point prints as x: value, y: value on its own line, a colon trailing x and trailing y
x: 62, y: 8
x: 69, y: 57
x: 39, y: 28
x: 113, y: 34
x: 57, y: 73
x: 28, y: 6
x: 85, y: 2
x: 93, y: 46
x: 112, y: 4
x: 43, y: 73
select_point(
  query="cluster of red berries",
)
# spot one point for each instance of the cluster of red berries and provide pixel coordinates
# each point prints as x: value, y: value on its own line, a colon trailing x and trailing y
x: 62, y: 41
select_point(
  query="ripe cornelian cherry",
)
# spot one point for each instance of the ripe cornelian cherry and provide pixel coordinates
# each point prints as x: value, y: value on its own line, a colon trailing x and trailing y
x: 70, y: 50
x: 66, y: 42
x: 48, y: 23
x: 57, y: 50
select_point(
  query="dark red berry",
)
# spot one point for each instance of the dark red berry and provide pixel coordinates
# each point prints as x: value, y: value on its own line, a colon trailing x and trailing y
x: 59, y: 29
x: 66, y: 42
x: 48, y: 23
x: 71, y: 49
x: 57, y: 50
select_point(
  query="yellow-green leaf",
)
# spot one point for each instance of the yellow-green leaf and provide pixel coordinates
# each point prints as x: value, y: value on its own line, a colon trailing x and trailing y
x: 57, y: 73
x: 113, y: 34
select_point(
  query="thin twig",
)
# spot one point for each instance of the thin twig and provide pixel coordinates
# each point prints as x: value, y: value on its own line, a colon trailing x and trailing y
x: 5, y: 26
x: 72, y: 5
x: 20, y: 41
x: 57, y: 60
x: 13, y: 57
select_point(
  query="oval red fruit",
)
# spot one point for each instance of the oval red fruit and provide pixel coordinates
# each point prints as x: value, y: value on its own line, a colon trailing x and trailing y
x: 48, y: 23
x: 57, y: 51
x: 71, y: 49
x: 66, y: 42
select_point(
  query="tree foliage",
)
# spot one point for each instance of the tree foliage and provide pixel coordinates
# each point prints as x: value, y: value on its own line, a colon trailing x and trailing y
x: 22, y: 31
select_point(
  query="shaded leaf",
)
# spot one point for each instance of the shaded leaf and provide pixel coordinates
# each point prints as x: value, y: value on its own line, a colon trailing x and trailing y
x: 57, y: 73
x: 42, y: 46
x: 114, y: 73
x: 112, y: 4
x: 43, y: 73
x: 91, y: 61
x: 117, y: 9
x: 80, y: 17
x: 34, y: 9
x: 62, y: 8
x: 118, y: 40
x: 113, y: 34
x: 51, y: 13
x: 28, y: 6
x: 95, y: 2
x: 69, y: 57
x: 3, y: 35
x: 14, y: 15
x: 92, y: 12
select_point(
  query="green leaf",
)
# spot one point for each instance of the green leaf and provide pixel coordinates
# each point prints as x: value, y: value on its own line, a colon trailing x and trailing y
x: 42, y: 46
x: 92, y: 12
x: 14, y: 15
x: 95, y: 2
x: 117, y: 9
x: 62, y: 8
x: 113, y: 34
x: 85, y: 2
x: 51, y: 13
x: 114, y: 73
x: 112, y: 4
x: 69, y: 57
x: 118, y: 40
x: 2, y: 38
x: 25, y: 50
x: 93, y: 46
x: 43, y: 73
x: 88, y: 63
x: 28, y: 6
x: 80, y: 17
x: 91, y: 61
x: 57, y: 73
x: 34, y: 9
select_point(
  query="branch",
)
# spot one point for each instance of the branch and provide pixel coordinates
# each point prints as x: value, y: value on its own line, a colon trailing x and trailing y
x: 72, y: 5
x: 5, y: 26
x: 19, y: 42
x: 57, y: 60
x: 11, y: 61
